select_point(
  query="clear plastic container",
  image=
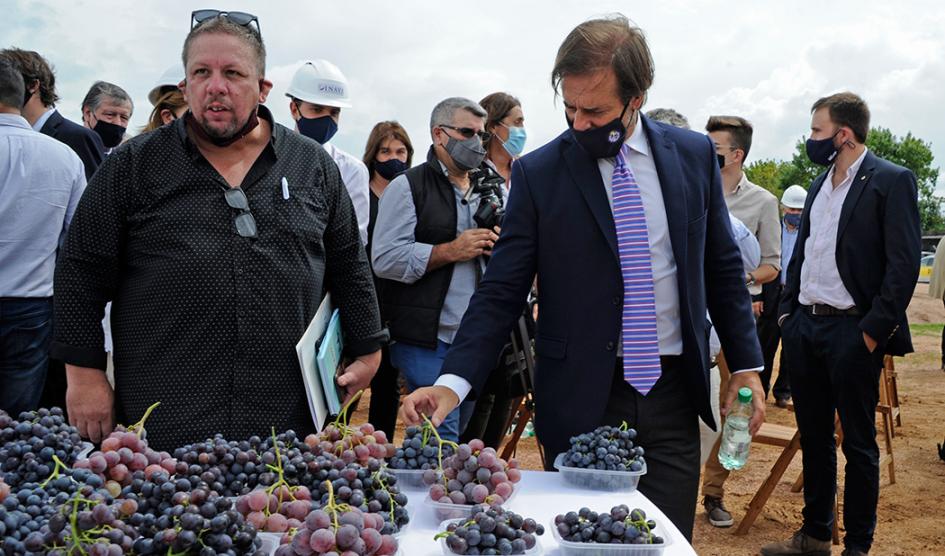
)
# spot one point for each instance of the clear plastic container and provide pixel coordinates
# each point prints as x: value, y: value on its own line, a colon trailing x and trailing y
x: 445, y: 511
x: 534, y: 551
x: 568, y: 548
x: 599, y: 479
x: 87, y: 448
x: 270, y: 542
x: 408, y: 478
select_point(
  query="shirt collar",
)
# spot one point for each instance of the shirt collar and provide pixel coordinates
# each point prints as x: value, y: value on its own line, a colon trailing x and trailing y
x: 743, y: 182
x: 637, y: 140
x: 851, y: 171
x: 14, y: 120
x: 41, y: 121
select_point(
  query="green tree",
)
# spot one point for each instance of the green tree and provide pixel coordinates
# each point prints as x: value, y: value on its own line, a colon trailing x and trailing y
x: 909, y: 151
x: 767, y: 173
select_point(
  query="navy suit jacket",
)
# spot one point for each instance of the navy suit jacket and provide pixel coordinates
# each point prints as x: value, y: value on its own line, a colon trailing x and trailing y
x: 85, y: 142
x: 879, y: 246
x: 559, y: 225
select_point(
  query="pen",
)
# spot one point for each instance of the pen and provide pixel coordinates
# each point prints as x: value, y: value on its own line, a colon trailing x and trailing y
x: 285, y: 188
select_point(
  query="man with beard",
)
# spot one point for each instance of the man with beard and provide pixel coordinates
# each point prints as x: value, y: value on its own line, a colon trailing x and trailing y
x: 215, y: 238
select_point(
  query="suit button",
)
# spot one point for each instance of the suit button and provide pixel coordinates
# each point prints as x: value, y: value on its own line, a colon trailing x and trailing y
x: 610, y: 346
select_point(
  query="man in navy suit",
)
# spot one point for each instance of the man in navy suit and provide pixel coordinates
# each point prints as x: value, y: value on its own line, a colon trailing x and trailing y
x: 40, y: 111
x: 843, y: 309
x: 560, y: 225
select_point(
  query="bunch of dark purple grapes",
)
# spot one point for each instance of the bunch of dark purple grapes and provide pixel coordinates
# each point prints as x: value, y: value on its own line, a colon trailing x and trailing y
x: 28, y: 444
x: 492, y: 531
x: 620, y: 526
x: 606, y: 448
x: 420, y: 449
x: 369, y: 488
x: 230, y: 468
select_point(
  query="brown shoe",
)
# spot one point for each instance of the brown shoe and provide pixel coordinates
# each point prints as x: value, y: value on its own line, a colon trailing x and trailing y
x: 799, y: 545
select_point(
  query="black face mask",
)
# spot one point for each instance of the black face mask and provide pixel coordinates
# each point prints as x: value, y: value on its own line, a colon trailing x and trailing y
x: 822, y: 151
x: 721, y: 159
x: 111, y: 134
x: 604, y: 141
x: 390, y: 168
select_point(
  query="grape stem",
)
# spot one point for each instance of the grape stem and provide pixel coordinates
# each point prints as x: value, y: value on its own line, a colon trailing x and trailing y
x: 139, y: 426
x: 55, y: 473
x: 440, y: 442
x: 279, y: 471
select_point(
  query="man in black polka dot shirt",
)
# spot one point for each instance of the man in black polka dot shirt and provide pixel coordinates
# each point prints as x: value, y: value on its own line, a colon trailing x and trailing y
x: 215, y: 237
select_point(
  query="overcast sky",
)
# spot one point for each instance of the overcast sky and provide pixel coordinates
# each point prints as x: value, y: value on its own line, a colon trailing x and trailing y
x: 766, y: 61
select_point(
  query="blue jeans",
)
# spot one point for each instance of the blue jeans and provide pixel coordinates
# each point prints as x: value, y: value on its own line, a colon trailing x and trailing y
x: 421, y: 367
x: 25, y: 333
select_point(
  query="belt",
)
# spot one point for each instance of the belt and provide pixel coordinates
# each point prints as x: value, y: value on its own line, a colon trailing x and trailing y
x: 821, y: 310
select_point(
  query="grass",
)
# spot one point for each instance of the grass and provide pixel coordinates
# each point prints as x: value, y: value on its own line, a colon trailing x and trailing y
x: 932, y: 329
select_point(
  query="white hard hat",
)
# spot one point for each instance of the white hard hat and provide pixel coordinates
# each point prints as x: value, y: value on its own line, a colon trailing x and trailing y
x: 320, y: 82
x: 171, y: 77
x: 794, y: 197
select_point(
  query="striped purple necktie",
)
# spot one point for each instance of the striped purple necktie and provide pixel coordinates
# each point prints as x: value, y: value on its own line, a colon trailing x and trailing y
x: 641, y: 350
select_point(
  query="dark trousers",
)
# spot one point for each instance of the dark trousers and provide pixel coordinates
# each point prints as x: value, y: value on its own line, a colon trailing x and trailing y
x: 769, y: 333
x: 385, y: 396
x: 832, y: 371
x: 25, y: 334
x: 492, y: 411
x: 668, y: 429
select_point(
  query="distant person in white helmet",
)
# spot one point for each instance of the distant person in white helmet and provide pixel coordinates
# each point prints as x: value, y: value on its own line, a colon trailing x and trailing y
x: 792, y: 205
x: 319, y: 91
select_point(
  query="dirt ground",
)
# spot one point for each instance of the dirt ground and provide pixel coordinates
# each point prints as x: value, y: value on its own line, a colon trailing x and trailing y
x: 911, y: 514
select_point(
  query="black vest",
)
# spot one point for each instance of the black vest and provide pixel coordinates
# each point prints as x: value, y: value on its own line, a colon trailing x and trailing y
x: 413, y: 310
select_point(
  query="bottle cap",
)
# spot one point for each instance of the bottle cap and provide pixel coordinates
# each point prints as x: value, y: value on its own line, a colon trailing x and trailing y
x: 744, y: 395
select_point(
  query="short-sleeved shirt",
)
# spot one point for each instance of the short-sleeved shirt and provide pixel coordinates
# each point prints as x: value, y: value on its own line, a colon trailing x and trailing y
x: 206, y: 321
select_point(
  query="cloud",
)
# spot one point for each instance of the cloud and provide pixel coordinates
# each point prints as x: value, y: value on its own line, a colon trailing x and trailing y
x: 765, y: 61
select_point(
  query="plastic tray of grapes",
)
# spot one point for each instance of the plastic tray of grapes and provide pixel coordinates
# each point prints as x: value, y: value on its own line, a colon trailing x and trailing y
x: 445, y: 511
x: 599, y: 479
x: 447, y: 551
x: 409, y: 478
x: 87, y: 448
x: 570, y: 548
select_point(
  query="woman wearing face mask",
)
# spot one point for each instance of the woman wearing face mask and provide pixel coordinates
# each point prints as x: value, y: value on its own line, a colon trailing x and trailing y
x: 506, y: 122
x: 388, y: 153
x: 169, y: 106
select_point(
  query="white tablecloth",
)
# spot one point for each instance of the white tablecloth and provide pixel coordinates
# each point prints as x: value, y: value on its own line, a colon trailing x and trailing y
x: 541, y: 495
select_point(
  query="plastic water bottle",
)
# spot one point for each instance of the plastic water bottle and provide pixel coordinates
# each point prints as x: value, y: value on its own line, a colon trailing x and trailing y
x: 529, y: 430
x: 736, y: 439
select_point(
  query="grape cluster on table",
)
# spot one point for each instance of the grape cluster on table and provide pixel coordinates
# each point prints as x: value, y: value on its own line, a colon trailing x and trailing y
x: 619, y: 526
x: 420, y: 449
x: 606, y: 448
x: 474, y: 474
x: 350, y: 532
x: 492, y: 530
x: 29, y: 442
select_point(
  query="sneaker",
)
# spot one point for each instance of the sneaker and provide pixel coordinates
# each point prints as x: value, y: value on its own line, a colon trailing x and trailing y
x: 716, y: 512
x: 800, y: 544
x: 782, y: 402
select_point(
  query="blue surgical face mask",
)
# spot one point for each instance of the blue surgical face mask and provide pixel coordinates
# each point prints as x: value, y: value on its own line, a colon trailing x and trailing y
x: 320, y: 129
x: 515, y: 144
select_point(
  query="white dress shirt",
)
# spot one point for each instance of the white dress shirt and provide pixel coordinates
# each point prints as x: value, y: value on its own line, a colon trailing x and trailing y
x: 355, y: 176
x: 820, y: 279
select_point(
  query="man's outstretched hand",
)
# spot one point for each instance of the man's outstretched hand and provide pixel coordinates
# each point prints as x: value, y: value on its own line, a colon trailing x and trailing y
x: 750, y: 380
x: 434, y: 401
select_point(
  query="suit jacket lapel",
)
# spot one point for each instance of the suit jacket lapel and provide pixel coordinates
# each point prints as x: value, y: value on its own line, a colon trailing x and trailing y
x: 666, y: 160
x: 586, y: 175
x: 51, y: 123
x: 856, y: 189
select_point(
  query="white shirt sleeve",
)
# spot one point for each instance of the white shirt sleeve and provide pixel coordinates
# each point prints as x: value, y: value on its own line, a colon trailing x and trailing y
x: 459, y: 385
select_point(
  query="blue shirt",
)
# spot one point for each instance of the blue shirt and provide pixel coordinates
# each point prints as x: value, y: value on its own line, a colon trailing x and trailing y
x: 397, y: 255
x: 788, y: 240
x: 41, y: 181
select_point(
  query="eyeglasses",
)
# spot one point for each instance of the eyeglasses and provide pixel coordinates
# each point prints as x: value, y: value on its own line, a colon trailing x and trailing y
x: 240, y: 18
x: 469, y: 132
x: 245, y: 223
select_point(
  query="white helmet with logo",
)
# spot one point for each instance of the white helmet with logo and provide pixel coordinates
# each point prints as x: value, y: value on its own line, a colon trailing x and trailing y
x: 169, y: 80
x: 320, y: 82
x: 794, y: 197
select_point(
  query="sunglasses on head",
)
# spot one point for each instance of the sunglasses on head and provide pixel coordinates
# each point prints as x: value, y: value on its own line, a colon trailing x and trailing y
x: 469, y: 132
x: 240, y: 18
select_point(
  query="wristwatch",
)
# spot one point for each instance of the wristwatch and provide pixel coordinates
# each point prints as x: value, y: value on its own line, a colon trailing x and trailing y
x: 751, y: 280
